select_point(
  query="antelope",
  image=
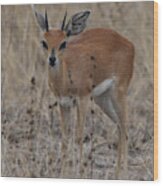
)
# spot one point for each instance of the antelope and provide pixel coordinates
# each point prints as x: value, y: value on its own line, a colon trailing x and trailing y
x: 94, y: 64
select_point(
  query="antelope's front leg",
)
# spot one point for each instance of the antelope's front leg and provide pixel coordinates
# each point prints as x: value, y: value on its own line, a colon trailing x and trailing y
x: 82, y: 106
x: 66, y: 120
x: 63, y: 114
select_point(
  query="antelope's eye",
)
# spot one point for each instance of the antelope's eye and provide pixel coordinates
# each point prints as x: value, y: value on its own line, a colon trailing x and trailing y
x: 44, y: 44
x: 63, y: 45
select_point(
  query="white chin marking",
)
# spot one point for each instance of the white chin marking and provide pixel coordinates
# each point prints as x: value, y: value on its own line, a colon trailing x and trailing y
x: 66, y: 102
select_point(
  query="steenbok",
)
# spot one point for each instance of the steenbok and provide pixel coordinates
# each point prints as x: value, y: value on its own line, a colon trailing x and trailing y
x: 94, y: 64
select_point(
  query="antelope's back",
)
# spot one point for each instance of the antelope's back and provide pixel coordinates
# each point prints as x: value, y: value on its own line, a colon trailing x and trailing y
x: 99, y: 54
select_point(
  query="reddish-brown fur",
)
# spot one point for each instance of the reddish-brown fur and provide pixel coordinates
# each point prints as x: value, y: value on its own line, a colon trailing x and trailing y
x: 90, y: 58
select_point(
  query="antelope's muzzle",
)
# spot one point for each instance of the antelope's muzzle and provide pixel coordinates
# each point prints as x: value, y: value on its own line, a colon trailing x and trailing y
x: 52, y: 58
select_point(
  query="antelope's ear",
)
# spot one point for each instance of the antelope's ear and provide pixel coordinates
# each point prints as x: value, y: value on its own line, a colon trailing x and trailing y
x: 42, y: 20
x: 77, y: 23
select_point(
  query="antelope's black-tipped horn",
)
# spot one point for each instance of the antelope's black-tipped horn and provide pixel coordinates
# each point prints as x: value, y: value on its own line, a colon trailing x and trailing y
x: 46, y: 21
x: 64, y: 21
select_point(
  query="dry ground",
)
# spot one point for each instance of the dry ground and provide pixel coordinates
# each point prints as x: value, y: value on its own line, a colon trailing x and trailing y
x: 31, y: 137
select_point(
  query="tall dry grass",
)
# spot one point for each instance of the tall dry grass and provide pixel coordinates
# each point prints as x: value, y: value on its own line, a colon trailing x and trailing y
x: 30, y: 125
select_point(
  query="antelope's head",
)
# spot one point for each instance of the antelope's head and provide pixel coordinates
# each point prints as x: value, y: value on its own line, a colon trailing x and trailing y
x: 55, y: 40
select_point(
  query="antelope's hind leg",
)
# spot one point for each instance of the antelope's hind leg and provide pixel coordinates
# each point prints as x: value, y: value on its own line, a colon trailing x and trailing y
x: 112, y: 101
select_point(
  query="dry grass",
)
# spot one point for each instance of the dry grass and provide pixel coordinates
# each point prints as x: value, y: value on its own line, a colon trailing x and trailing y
x: 31, y: 137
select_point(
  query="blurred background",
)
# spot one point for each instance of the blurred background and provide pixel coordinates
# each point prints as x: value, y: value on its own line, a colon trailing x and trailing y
x: 31, y: 136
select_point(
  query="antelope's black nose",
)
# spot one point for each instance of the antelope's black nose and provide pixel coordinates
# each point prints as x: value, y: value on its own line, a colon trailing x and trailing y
x: 52, y: 61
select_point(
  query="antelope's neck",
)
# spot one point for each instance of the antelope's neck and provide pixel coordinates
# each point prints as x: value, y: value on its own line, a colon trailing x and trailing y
x: 55, y: 80
x: 60, y: 81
